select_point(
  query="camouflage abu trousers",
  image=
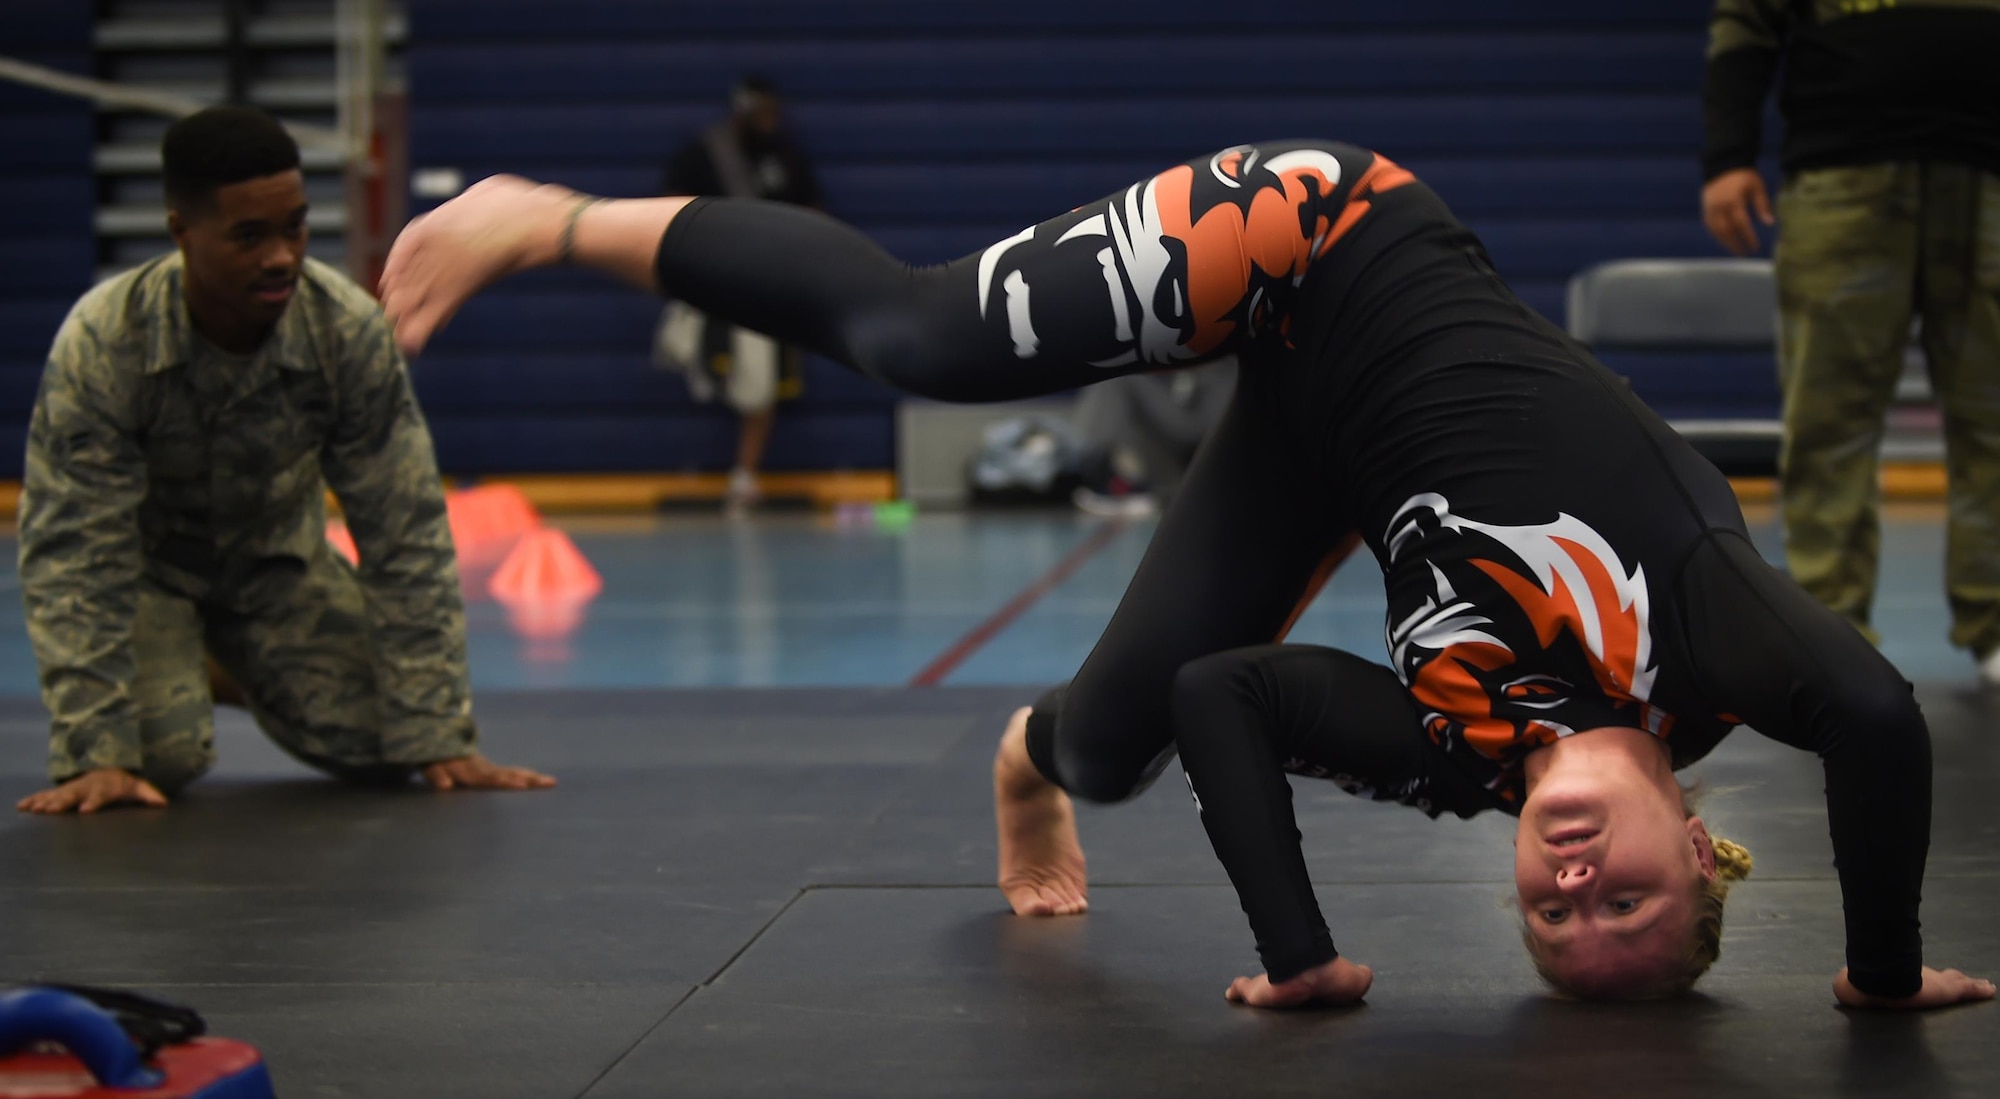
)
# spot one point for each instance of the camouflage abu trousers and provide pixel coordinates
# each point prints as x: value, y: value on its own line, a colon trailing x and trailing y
x: 1861, y: 251
x: 305, y: 667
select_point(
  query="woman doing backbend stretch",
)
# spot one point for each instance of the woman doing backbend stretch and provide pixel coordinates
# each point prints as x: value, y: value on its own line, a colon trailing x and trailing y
x: 1574, y: 609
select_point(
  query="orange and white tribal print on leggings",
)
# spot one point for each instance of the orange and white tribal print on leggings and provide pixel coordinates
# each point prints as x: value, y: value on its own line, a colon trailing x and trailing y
x: 1194, y: 260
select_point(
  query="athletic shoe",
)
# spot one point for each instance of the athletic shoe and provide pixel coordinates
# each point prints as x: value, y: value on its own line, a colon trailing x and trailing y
x: 743, y: 492
x: 1116, y: 505
x: 1989, y: 669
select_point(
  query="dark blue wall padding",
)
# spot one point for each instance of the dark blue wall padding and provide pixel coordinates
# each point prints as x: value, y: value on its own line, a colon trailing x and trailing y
x: 743, y: 20
x: 18, y: 382
x: 566, y: 382
x: 34, y: 203
x: 28, y: 324
x: 42, y: 134
x: 1033, y: 65
x: 46, y: 24
x: 1009, y: 192
x: 1565, y: 132
x: 48, y: 193
x: 1695, y: 385
x: 629, y: 441
x: 1171, y: 128
x: 52, y: 265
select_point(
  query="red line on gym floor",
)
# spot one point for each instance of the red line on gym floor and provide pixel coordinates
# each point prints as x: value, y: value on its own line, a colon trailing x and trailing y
x: 949, y: 660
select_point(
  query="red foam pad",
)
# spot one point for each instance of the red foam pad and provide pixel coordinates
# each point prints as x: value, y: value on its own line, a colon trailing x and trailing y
x: 206, y: 1068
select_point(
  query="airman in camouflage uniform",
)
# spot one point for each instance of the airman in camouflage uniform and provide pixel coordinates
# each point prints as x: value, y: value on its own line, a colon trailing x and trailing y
x: 175, y: 508
x: 1890, y: 211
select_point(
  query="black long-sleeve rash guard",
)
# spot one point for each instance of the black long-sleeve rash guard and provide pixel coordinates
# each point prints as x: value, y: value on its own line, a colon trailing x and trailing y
x: 1244, y: 717
x: 1510, y: 487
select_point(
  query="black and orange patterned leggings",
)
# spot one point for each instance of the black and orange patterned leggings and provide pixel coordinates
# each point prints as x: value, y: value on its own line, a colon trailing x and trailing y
x: 1205, y: 259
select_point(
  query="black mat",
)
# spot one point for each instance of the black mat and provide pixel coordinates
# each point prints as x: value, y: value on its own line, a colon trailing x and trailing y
x: 787, y: 892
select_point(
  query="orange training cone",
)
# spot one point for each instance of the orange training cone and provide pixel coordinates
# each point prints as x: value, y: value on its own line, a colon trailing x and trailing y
x: 547, y: 628
x: 508, y: 511
x: 544, y: 584
x: 342, y: 541
x: 545, y: 566
x: 487, y: 520
x: 461, y: 518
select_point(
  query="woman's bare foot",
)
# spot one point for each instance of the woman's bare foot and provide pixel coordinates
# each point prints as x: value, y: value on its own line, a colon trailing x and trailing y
x: 499, y: 226
x: 1041, y: 862
x: 1337, y: 982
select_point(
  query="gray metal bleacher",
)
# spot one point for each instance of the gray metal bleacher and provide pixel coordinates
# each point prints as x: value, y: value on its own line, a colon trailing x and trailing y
x: 80, y: 188
x: 1697, y: 338
x: 284, y: 60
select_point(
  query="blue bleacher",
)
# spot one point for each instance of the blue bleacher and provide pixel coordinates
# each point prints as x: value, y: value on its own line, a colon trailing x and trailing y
x: 748, y: 20
x: 1706, y: 385
x: 1169, y: 129
x: 1565, y: 132
x: 889, y: 193
x: 1029, y: 66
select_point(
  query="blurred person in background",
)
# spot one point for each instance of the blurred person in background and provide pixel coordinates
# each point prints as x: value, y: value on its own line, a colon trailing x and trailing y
x: 1890, y: 210
x: 1139, y: 433
x: 192, y: 415
x: 750, y: 154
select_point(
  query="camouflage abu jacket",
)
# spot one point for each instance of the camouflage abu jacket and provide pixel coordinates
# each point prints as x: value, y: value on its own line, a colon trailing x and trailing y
x: 152, y: 457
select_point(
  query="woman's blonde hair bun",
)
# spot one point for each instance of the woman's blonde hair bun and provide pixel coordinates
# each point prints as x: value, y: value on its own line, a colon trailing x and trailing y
x: 1732, y: 860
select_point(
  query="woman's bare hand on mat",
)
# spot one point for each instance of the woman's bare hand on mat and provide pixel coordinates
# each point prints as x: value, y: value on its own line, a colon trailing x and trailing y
x: 94, y: 790
x: 1337, y: 982
x: 476, y: 772
x: 499, y: 226
x: 1942, y: 988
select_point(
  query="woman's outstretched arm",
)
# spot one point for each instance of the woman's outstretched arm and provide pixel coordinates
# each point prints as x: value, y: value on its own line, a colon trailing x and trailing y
x: 1768, y: 654
x: 1242, y: 720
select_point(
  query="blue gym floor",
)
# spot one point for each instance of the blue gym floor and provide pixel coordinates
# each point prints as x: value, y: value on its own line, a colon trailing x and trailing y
x: 796, y: 600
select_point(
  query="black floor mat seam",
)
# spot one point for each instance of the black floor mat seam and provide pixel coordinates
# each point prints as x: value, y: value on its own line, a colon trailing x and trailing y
x: 637, y: 1042
x: 766, y: 926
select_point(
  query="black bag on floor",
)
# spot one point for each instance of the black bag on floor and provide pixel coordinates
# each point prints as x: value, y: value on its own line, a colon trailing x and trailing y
x: 1026, y: 460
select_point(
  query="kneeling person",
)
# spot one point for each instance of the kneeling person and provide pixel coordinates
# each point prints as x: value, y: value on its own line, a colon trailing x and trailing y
x: 191, y: 417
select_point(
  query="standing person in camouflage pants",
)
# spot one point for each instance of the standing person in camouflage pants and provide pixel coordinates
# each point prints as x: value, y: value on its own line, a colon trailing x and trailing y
x: 191, y: 418
x: 1890, y: 210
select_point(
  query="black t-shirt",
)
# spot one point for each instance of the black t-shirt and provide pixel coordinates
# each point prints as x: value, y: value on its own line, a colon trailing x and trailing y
x: 1875, y: 82
x: 772, y: 167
